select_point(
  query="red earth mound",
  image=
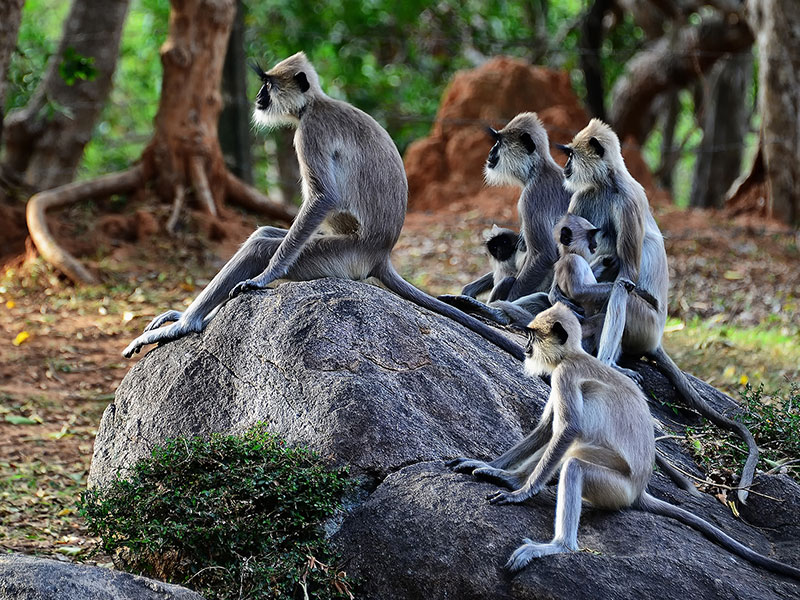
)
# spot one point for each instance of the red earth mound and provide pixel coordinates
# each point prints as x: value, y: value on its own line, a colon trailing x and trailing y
x: 445, y: 170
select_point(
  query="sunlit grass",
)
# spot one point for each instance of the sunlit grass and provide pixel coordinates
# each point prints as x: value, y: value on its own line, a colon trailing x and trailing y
x: 727, y: 356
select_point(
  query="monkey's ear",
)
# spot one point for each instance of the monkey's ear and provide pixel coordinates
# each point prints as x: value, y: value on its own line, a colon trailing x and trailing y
x: 598, y: 147
x: 527, y: 141
x: 302, y: 81
x: 591, y: 235
x: 560, y: 333
x: 566, y: 236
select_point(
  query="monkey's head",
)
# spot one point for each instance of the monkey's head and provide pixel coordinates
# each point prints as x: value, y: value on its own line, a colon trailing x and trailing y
x: 502, y: 244
x: 592, y: 157
x: 519, y: 150
x: 575, y: 235
x: 552, y: 335
x: 285, y: 91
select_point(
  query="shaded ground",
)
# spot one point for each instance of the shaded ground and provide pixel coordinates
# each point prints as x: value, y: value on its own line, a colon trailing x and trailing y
x: 735, y: 291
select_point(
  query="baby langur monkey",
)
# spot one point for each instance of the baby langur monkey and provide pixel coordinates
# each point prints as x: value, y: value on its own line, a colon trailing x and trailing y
x: 605, y: 194
x: 353, y: 183
x: 596, y: 432
x: 521, y: 156
x: 506, y: 250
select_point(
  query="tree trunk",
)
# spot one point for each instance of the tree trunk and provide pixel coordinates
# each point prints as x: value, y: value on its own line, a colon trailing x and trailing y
x: 777, y: 27
x: 725, y: 123
x: 669, y: 65
x: 234, y: 122
x: 591, y: 41
x: 185, y: 135
x: 288, y: 168
x: 45, y: 139
x: 10, y: 18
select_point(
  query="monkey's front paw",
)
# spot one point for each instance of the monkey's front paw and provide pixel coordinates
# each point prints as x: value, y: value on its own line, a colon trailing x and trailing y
x: 503, y: 497
x: 245, y: 286
x: 462, y: 464
x: 637, y: 378
x: 530, y: 550
x: 626, y: 283
x: 133, y: 348
x: 170, y: 315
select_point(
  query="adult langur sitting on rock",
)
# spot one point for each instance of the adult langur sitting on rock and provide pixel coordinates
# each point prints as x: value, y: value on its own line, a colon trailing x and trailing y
x: 521, y: 156
x: 353, y: 184
x: 596, y: 432
x: 605, y: 194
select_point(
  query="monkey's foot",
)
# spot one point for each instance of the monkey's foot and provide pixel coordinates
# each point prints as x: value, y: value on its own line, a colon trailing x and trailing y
x: 515, y: 497
x: 498, y: 477
x: 462, y: 464
x: 637, y: 378
x: 247, y: 285
x: 167, y: 317
x: 530, y: 550
x: 476, y: 307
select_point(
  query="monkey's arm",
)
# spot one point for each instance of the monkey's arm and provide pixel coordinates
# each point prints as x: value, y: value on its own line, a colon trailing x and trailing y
x: 568, y: 403
x: 534, y: 274
x: 312, y: 213
x: 518, y: 453
x: 502, y: 289
x: 480, y: 285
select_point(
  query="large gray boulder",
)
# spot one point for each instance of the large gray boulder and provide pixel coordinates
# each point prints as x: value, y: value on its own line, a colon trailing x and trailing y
x: 30, y: 578
x: 372, y: 381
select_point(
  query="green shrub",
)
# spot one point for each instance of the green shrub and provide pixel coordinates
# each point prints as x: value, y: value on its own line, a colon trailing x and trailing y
x: 773, y: 419
x: 231, y: 517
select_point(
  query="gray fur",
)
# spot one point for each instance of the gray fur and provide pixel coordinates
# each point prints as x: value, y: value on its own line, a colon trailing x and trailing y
x: 354, y: 203
x: 596, y: 430
x: 606, y: 194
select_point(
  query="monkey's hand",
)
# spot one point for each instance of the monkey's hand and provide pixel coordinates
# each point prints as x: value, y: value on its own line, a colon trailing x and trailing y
x: 499, y: 477
x: 637, y: 378
x: 462, y: 464
x: 625, y: 283
x: 556, y: 296
x: 245, y: 286
x: 515, y: 497
x: 167, y: 317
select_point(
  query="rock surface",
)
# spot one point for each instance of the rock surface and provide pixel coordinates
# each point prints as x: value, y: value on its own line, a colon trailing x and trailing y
x: 30, y: 578
x: 370, y: 380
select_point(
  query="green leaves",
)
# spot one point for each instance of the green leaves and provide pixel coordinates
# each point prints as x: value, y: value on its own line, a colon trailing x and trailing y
x: 216, y: 514
x: 75, y: 66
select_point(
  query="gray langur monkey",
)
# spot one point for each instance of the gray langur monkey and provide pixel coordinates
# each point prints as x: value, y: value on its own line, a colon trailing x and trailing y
x: 521, y: 156
x: 506, y: 249
x: 596, y: 432
x: 605, y: 194
x: 353, y: 183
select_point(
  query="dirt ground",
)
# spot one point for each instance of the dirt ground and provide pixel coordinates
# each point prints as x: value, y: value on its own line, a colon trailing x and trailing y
x: 60, y: 346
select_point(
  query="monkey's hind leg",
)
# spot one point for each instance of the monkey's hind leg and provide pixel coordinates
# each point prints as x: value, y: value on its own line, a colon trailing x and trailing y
x: 248, y: 261
x: 602, y: 486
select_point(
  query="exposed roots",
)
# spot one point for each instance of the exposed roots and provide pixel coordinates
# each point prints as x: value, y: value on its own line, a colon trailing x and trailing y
x: 177, y: 207
x: 197, y: 172
x: 39, y: 204
x: 238, y: 192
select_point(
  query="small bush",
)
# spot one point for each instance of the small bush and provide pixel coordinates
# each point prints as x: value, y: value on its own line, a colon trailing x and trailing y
x: 231, y: 517
x: 774, y: 421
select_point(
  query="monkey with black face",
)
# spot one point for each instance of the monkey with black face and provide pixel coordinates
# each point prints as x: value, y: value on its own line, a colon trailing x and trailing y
x: 605, y: 193
x: 521, y: 156
x: 596, y: 433
x: 506, y: 249
x: 353, y: 183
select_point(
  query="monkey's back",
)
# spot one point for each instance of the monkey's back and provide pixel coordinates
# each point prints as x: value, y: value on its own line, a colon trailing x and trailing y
x: 364, y: 167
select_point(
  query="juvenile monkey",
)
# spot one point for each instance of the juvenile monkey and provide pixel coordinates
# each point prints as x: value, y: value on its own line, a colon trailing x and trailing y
x: 596, y: 431
x: 353, y: 182
x: 506, y: 250
x: 605, y: 193
x: 521, y: 156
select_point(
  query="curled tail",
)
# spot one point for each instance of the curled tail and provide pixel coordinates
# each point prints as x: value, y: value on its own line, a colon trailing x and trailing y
x: 648, y: 503
x: 392, y: 280
x: 686, y: 390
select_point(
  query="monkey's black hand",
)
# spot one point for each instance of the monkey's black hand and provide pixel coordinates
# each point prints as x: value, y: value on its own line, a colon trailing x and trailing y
x: 245, y: 286
x: 463, y: 464
x: 626, y: 283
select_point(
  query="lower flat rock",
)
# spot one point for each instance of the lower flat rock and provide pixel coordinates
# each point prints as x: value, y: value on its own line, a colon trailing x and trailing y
x: 30, y: 578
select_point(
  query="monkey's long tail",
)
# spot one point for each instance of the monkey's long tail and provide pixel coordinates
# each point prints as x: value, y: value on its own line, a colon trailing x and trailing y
x: 392, y: 280
x: 686, y: 390
x: 648, y: 503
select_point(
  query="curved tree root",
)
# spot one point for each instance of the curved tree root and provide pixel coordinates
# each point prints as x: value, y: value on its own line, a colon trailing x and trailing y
x: 250, y: 198
x: 197, y: 172
x: 65, y: 195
